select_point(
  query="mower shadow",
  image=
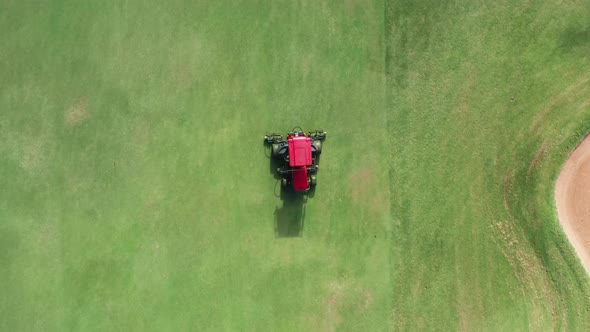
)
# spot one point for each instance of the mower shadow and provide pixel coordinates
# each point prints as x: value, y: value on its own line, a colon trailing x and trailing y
x: 290, y: 218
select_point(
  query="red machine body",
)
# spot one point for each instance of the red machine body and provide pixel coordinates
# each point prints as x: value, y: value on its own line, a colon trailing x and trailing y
x: 299, y: 177
x: 299, y: 151
x: 299, y: 159
x: 298, y: 156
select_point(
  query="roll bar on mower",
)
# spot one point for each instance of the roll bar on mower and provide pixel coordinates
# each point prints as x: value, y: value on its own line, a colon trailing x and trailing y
x: 284, y: 170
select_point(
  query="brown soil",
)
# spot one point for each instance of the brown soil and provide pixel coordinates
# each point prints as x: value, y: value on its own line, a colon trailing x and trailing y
x: 76, y: 114
x: 572, y: 196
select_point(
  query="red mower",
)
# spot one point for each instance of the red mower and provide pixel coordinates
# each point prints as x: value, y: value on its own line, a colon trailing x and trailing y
x: 298, y: 156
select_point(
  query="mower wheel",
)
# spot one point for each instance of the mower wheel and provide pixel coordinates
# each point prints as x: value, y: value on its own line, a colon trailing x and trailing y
x: 318, y: 146
x: 313, y: 181
x: 284, y: 182
x: 275, y: 150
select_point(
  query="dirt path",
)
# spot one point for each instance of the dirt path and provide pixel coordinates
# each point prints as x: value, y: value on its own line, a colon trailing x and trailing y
x: 572, y: 195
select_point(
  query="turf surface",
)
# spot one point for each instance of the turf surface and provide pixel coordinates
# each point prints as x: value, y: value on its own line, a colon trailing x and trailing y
x: 486, y: 101
x: 137, y: 195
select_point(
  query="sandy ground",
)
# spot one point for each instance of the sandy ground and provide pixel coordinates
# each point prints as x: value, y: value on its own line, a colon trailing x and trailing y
x: 572, y: 195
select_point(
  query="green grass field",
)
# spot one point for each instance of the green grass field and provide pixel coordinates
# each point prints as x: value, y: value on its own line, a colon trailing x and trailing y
x: 136, y: 193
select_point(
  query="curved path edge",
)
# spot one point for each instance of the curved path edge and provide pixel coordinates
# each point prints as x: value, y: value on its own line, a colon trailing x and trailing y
x: 572, y: 198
